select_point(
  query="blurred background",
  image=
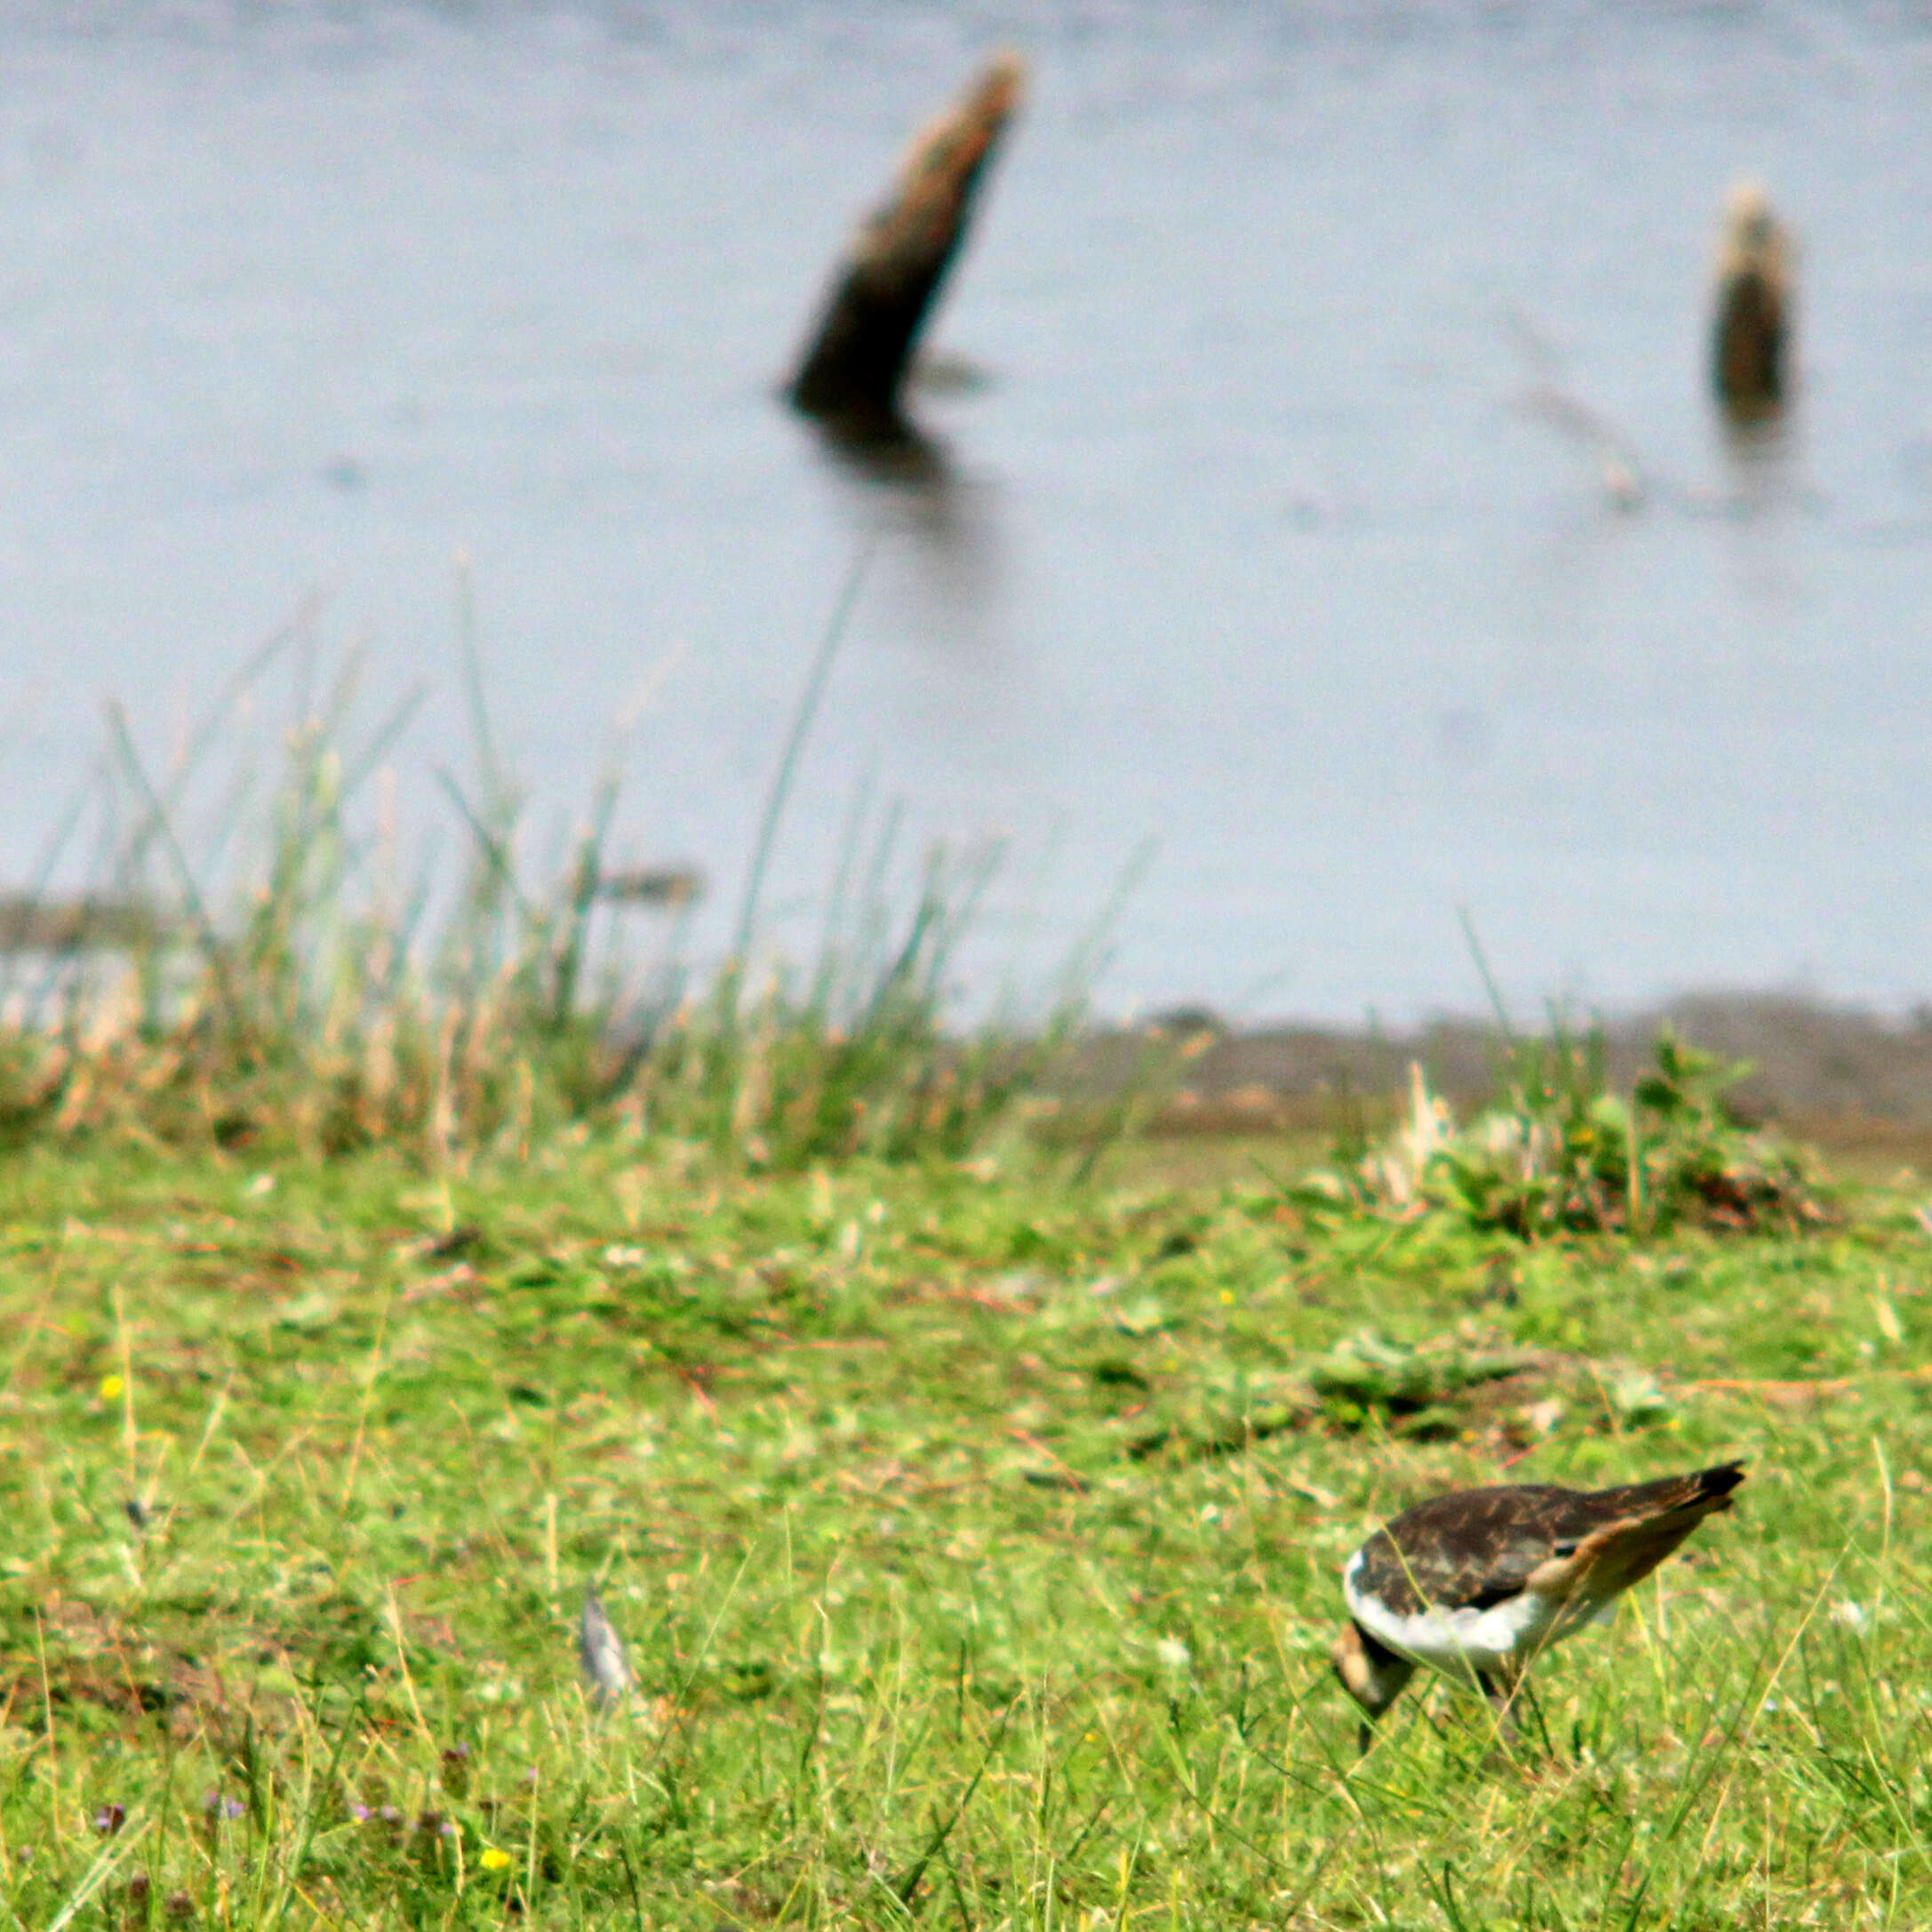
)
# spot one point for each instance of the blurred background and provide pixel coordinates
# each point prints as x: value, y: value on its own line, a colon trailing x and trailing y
x: 1328, y: 484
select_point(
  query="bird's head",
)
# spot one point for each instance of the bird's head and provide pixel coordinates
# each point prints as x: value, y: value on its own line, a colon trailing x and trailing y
x: 1372, y: 1676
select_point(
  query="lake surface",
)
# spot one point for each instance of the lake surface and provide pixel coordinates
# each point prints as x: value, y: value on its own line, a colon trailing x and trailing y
x: 1253, y: 538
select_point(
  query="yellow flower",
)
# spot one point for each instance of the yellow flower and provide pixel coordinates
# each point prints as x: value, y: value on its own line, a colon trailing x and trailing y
x: 495, y: 1859
x: 111, y: 1386
x: 1227, y: 1297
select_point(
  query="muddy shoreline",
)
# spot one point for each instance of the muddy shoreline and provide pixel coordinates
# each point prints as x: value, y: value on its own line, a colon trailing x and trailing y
x: 1841, y: 1074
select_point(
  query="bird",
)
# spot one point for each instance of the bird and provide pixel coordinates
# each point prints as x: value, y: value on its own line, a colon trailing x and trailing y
x: 1478, y: 1583
x: 1753, y: 324
x: 601, y: 1651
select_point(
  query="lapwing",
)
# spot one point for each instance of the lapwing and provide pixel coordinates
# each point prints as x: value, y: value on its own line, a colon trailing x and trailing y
x: 1478, y: 1583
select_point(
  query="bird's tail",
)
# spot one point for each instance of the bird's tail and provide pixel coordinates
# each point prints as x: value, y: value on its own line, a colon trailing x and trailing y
x: 1645, y: 1521
x: 1705, y: 1491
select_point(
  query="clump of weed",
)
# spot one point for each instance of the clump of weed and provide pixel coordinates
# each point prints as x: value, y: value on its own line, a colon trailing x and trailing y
x: 1561, y: 1151
x: 1414, y: 1390
x: 859, y: 1060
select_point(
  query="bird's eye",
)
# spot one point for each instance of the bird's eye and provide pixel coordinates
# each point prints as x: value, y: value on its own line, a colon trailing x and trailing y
x: 1564, y: 1549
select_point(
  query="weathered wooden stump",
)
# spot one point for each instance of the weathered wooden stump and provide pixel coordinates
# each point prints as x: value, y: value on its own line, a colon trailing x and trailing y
x: 1750, y: 339
x: 852, y: 374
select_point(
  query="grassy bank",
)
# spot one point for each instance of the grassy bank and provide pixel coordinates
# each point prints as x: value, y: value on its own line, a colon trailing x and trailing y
x: 383, y: 1265
x: 261, y: 956
x: 974, y: 1535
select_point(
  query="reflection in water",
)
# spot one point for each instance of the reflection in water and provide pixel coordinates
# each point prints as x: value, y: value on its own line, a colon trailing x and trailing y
x: 905, y: 484
x: 890, y: 449
x: 1764, y: 458
x: 956, y: 548
x: 1763, y: 455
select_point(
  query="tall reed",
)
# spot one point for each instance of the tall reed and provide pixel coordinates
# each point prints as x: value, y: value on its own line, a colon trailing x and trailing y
x: 284, y: 988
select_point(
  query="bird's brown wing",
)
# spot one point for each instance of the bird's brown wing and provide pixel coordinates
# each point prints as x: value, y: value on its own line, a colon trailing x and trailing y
x: 1470, y: 1548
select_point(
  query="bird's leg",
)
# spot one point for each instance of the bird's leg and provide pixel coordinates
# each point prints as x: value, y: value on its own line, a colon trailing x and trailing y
x: 1367, y: 1731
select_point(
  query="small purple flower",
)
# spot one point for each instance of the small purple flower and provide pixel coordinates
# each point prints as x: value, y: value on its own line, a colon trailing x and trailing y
x: 219, y: 1807
x: 389, y: 1814
x: 111, y: 1818
x: 362, y: 1813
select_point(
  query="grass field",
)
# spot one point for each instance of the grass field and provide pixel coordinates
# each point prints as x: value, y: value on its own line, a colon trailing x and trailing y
x: 974, y: 1536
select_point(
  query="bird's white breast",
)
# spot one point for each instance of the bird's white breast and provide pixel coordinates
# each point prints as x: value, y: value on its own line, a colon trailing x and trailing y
x: 1461, y: 1640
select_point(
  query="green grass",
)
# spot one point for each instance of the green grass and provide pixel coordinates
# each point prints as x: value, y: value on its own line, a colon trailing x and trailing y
x: 974, y: 1534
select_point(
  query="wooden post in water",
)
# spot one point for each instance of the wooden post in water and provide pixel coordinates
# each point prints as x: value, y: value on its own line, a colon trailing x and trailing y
x: 1752, y: 332
x: 851, y: 374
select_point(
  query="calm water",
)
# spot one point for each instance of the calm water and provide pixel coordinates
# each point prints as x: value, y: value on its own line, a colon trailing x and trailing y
x: 1250, y: 539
